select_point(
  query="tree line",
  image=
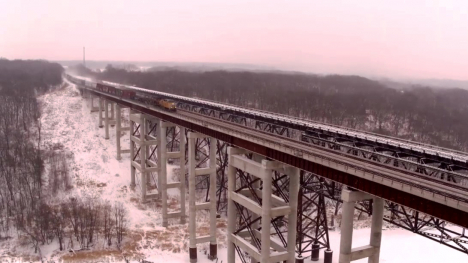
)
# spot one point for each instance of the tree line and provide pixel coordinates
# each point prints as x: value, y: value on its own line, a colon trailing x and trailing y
x: 75, y: 223
x: 33, y: 177
x: 423, y: 114
x: 28, y: 77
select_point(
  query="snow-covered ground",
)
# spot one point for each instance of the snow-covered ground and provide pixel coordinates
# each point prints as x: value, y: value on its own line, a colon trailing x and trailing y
x: 67, y: 120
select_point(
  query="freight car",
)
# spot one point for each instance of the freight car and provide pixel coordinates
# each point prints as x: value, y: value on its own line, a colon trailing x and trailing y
x: 105, y: 88
x: 125, y: 92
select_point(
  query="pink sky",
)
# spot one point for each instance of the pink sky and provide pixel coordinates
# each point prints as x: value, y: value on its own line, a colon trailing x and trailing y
x: 418, y: 39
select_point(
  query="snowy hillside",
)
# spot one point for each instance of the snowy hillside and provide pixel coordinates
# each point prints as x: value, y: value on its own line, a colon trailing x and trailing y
x: 66, y: 120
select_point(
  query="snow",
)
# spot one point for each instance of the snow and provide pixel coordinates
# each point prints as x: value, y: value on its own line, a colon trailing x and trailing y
x: 400, y: 246
x: 66, y: 119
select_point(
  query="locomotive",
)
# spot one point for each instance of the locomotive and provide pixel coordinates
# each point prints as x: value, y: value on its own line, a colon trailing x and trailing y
x: 124, y: 92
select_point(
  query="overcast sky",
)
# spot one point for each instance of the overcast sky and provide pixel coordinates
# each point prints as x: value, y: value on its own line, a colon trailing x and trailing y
x: 418, y: 39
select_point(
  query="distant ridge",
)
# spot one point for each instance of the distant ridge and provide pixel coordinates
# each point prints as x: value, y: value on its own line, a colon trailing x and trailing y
x: 160, y: 66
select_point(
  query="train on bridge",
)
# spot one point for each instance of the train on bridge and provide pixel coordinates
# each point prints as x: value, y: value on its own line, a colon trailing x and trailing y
x: 124, y: 92
x: 423, y: 185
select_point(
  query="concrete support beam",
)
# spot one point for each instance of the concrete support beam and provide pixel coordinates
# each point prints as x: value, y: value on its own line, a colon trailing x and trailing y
x: 162, y: 169
x: 118, y: 132
x: 143, y: 151
x: 100, y: 113
x: 371, y: 251
x: 91, y: 102
x: 106, y: 115
x: 271, y: 206
x: 347, y: 212
x: 163, y: 185
x: 256, y: 187
x: 266, y: 212
x: 147, y: 149
x: 294, y: 180
x: 112, y: 117
x: 193, y: 206
x: 182, y: 140
x: 376, y: 228
x: 213, y: 244
x: 231, y: 214
x: 159, y: 146
x: 132, y: 153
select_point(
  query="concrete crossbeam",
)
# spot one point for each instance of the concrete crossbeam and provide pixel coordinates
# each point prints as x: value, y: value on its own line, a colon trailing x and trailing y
x: 371, y: 251
x: 163, y: 185
x: 272, y: 206
x: 211, y: 205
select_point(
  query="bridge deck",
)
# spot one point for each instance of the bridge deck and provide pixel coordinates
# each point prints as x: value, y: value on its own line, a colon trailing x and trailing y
x: 445, y: 201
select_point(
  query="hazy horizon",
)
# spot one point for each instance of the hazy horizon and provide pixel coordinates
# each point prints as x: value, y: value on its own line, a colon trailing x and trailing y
x: 390, y: 39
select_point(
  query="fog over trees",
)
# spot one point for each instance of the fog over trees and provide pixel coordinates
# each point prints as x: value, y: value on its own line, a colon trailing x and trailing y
x: 33, y: 176
x: 423, y: 114
x: 28, y: 77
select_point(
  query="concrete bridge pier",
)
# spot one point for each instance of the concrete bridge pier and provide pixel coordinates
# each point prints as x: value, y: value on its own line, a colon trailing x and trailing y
x: 139, y: 144
x: 193, y: 206
x: 109, y: 116
x: 162, y: 159
x: 257, y: 187
x: 106, y: 119
x: 371, y: 251
x: 118, y: 131
x: 272, y: 206
x: 142, y: 164
x: 112, y: 114
x: 132, y: 148
x: 100, y: 109
x: 91, y: 102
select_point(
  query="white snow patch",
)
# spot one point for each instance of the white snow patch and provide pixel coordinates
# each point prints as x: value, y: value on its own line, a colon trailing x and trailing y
x: 66, y: 119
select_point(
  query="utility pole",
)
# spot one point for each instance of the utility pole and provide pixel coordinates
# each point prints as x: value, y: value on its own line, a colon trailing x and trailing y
x: 84, y: 59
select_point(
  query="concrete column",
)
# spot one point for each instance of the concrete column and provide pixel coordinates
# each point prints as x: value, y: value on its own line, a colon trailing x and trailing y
x: 192, y: 209
x: 346, y: 241
x: 91, y: 103
x: 143, y: 157
x: 147, y: 148
x: 132, y: 152
x: 118, y: 132
x: 231, y: 213
x: 211, y: 205
x: 294, y: 176
x: 91, y: 100
x: 371, y: 251
x: 112, y: 112
x: 106, y: 112
x: 158, y: 153
x: 182, y: 175
x: 256, y: 185
x: 163, y: 170
x: 376, y: 228
x: 100, y: 113
x: 266, y: 211
x: 213, y: 244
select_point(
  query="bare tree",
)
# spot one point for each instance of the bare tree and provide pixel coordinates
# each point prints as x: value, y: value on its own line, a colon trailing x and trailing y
x: 120, y: 215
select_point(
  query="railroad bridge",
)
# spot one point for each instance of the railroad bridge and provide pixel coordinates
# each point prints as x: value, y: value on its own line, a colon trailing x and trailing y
x: 272, y: 175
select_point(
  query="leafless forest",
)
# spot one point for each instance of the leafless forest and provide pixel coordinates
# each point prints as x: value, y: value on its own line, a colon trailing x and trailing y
x: 32, y: 177
x: 423, y: 114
